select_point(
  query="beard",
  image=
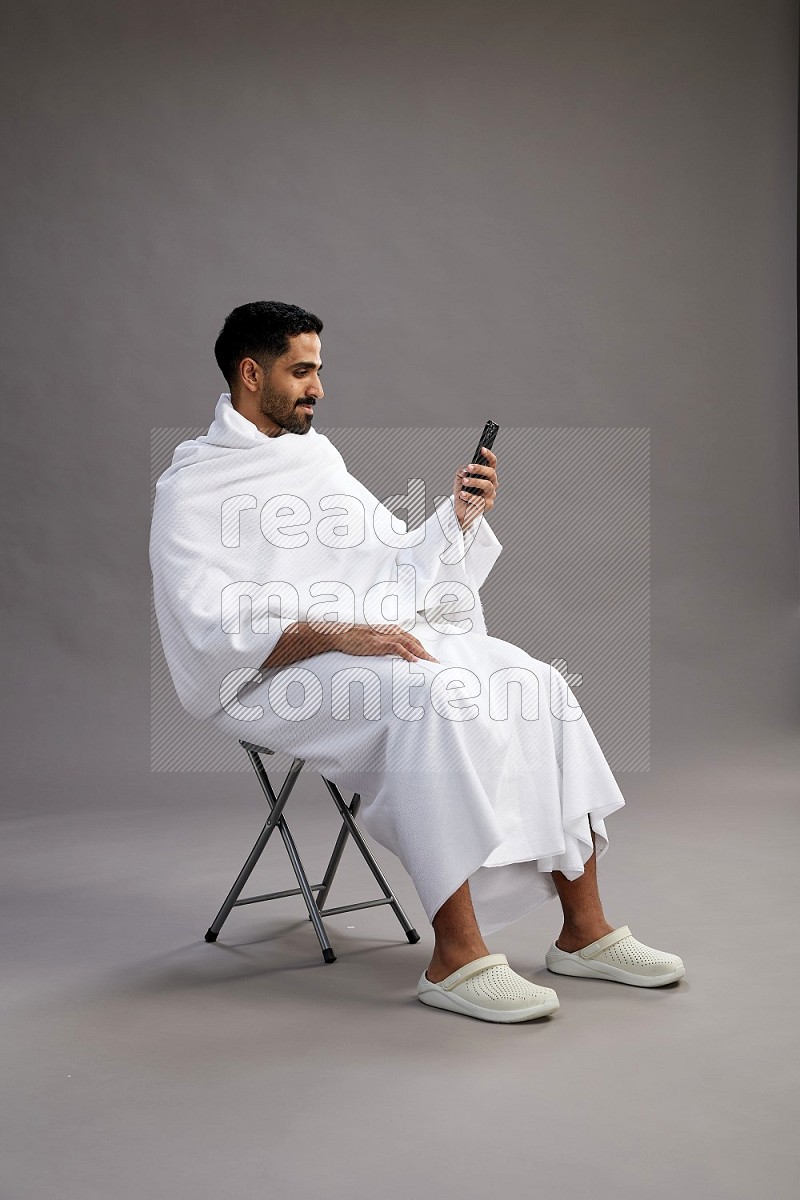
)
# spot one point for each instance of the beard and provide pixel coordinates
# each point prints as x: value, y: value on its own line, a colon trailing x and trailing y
x: 284, y: 411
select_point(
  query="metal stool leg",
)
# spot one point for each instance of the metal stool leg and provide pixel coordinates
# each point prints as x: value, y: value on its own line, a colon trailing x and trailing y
x: 273, y: 820
x: 348, y: 815
x: 276, y: 819
x: 336, y: 855
x: 294, y: 858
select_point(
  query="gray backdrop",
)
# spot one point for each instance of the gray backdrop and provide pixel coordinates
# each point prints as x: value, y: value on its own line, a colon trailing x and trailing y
x: 563, y: 215
x: 557, y: 215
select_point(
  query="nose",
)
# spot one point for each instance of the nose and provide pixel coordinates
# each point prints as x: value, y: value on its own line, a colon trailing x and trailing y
x: 315, y: 391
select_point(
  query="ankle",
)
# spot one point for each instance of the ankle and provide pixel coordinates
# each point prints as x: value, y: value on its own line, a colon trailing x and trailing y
x: 448, y: 958
x: 578, y: 922
x: 577, y: 933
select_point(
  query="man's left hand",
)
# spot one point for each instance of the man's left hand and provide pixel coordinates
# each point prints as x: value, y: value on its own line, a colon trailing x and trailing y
x: 469, y: 505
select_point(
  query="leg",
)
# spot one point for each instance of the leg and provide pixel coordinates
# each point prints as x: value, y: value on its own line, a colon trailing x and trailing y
x: 584, y: 920
x: 627, y: 960
x: 458, y: 939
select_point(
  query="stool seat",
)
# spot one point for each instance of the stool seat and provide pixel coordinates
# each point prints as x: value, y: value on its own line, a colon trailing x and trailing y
x: 276, y: 820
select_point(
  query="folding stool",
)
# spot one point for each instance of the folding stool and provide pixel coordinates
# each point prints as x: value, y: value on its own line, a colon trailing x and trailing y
x: 276, y: 819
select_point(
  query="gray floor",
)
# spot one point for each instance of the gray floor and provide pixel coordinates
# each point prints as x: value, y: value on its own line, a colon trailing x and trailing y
x: 141, y: 1061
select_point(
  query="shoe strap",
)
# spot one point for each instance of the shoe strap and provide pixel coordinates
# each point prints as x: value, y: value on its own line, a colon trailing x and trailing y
x: 602, y: 943
x: 472, y: 968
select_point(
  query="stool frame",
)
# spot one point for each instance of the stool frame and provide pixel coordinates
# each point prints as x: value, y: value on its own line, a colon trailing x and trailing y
x: 276, y: 820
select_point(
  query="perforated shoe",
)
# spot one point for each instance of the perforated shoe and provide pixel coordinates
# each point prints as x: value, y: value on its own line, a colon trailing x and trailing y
x: 488, y: 989
x: 618, y: 956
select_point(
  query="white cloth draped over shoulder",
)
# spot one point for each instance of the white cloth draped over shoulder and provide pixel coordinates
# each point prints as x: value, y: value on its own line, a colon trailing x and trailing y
x: 251, y: 533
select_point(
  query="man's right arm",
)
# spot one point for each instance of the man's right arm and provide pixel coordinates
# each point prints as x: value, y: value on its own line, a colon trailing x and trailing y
x: 298, y: 641
x: 304, y: 639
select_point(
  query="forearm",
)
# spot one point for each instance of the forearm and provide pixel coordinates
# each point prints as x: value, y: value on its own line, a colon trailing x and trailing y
x: 302, y: 640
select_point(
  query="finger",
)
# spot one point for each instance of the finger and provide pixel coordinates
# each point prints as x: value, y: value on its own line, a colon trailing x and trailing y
x: 422, y: 653
x: 403, y: 651
x: 477, y: 471
x: 396, y: 633
x: 401, y: 634
x: 483, y: 484
x: 490, y: 454
x: 413, y: 644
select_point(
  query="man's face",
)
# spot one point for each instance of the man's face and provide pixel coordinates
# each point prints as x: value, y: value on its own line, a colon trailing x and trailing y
x: 291, y: 386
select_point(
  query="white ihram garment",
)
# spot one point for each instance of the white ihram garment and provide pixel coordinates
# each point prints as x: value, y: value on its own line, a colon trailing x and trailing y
x: 454, y: 783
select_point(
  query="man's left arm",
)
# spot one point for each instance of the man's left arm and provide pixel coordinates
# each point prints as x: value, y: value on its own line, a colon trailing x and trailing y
x: 457, y: 544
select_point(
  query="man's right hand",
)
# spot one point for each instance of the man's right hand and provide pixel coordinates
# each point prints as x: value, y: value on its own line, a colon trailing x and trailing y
x: 380, y: 639
x: 304, y: 639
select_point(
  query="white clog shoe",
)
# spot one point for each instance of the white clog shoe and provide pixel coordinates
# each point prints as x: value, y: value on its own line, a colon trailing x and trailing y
x: 488, y: 989
x: 618, y: 956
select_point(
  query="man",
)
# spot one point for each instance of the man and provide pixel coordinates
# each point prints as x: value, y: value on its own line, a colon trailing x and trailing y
x: 491, y: 813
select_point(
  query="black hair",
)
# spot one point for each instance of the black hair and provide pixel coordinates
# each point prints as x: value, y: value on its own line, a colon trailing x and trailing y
x: 260, y: 330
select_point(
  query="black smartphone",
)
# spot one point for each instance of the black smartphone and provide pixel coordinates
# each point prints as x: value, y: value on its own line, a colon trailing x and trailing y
x: 487, y: 439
